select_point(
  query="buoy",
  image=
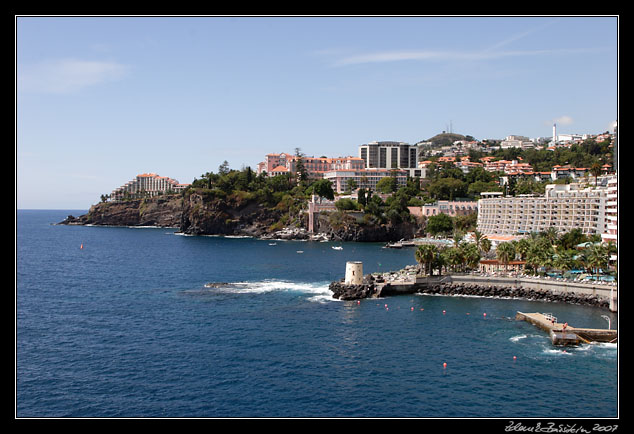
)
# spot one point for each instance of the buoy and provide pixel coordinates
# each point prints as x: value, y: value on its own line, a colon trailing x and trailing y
x: 81, y: 246
x: 386, y: 305
x: 485, y: 314
x: 412, y: 308
x: 444, y: 365
x: 358, y: 301
x: 443, y: 312
x: 514, y: 357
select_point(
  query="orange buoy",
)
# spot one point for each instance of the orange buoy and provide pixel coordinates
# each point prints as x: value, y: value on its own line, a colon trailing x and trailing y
x: 81, y: 246
x: 444, y: 365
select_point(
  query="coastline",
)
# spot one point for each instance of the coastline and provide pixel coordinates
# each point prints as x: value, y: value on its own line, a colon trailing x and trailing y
x: 504, y: 287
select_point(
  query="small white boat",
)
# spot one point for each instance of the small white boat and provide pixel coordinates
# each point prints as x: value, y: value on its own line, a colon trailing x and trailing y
x: 272, y: 244
x: 300, y: 251
x: 337, y: 248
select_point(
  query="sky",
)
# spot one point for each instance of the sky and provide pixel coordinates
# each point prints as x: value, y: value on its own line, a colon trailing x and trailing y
x: 100, y: 99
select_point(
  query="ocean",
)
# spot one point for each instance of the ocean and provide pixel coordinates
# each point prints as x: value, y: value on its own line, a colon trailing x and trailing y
x: 118, y: 322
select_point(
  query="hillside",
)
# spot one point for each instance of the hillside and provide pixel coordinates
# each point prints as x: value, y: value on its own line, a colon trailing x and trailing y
x: 445, y: 139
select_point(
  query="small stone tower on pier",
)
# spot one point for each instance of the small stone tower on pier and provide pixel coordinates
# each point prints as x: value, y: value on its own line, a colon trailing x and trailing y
x: 354, y: 273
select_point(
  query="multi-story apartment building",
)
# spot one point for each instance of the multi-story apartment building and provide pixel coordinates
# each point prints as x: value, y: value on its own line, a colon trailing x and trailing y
x: 149, y: 184
x: 449, y: 207
x: 564, y: 207
x: 517, y: 142
x: 390, y: 155
x: 611, y: 210
x: 367, y: 178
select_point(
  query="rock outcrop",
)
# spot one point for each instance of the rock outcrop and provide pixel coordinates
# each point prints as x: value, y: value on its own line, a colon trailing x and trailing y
x: 165, y: 211
x: 201, y: 212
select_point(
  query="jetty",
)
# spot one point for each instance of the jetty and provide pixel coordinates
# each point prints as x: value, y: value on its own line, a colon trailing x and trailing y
x: 564, y: 334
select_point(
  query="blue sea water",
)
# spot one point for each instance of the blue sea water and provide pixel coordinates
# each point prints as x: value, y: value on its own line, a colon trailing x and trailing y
x: 125, y: 327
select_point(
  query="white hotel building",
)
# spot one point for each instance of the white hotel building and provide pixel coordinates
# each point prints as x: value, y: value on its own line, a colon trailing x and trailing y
x: 149, y: 184
x: 564, y: 207
x: 611, y: 211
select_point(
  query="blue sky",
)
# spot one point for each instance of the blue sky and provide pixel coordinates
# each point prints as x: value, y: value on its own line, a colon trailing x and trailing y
x: 102, y: 99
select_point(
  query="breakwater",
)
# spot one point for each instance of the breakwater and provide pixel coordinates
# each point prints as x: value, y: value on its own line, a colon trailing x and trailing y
x: 373, y: 287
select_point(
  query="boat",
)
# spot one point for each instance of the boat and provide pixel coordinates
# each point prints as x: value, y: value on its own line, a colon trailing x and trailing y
x: 272, y: 244
x: 300, y: 251
x: 337, y: 248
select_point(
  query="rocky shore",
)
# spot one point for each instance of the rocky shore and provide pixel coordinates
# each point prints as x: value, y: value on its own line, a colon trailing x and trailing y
x: 201, y: 213
x: 377, y: 287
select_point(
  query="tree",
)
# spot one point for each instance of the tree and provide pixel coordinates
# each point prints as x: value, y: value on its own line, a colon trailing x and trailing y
x: 386, y: 185
x: 223, y: 169
x: 302, y: 175
x: 346, y: 204
x: 439, y: 224
x: 505, y: 252
x: 361, y: 196
x: 447, y: 188
x: 323, y: 188
x: 425, y: 255
x: 595, y: 169
x: 351, y: 184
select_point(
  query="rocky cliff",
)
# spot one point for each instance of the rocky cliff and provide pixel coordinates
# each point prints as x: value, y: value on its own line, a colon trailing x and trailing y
x: 164, y: 211
x: 202, y: 213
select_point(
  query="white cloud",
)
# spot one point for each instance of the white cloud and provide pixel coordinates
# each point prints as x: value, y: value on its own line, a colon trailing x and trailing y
x: 67, y: 75
x: 563, y: 120
x: 400, y: 55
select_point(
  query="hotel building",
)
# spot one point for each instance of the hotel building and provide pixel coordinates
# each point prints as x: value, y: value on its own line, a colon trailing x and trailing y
x: 149, y: 184
x: 611, y: 210
x: 276, y: 164
x: 564, y: 207
x: 390, y: 155
x: 366, y: 178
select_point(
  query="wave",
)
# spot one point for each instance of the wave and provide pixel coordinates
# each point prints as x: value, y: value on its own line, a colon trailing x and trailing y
x: 318, y: 291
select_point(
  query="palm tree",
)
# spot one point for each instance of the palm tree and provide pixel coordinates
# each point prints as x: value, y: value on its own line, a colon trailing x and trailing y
x: 595, y: 169
x: 425, y: 256
x: 505, y: 252
x: 454, y: 257
x: 486, y: 245
x: 596, y: 256
x: 440, y: 259
x: 550, y: 234
x: 471, y: 255
x: 565, y: 260
x: 522, y: 247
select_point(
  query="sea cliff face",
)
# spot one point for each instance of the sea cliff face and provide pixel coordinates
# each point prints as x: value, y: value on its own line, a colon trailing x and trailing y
x: 205, y: 215
x: 164, y: 211
x: 201, y: 213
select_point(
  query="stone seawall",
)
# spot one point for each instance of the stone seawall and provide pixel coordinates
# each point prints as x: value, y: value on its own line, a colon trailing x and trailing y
x: 446, y: 286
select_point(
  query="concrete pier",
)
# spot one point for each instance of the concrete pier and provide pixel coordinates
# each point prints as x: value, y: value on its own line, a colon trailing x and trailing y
x: 563, y: 334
